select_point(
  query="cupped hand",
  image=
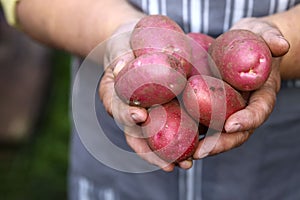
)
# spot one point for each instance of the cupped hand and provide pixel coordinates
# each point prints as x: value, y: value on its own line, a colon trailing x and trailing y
x: 119, y: 53
x: 240, y: 125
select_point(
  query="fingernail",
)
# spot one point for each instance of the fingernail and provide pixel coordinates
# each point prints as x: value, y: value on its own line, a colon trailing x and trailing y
x: 135, y: 117
x: 281, y: 37
x: 187, y: 164
x: 284, y: 39
x: 202, y: 155
x: 235, y: 127
x: 119, y: 65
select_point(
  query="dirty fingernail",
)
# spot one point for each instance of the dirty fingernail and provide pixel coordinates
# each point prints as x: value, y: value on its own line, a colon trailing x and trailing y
x: 235, y: 127
x: 201, y: 154
x: 135, y: 117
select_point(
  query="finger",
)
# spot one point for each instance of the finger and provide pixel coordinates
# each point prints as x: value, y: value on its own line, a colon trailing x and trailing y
x: 135, y: 137
x: 116, y: 46
x: 140, y: 146
x: 260, y: 105
x: 218, y: 143
x: 278, y: 45
x: 121, y: 62
x: 186, y: 164
x: 123, y: 113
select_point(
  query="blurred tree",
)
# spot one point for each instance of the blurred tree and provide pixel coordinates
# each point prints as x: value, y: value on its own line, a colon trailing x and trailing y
x: 34, y: 118
x: 24, y: 76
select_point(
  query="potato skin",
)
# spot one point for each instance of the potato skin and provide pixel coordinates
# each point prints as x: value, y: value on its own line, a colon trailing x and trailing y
x: 158, y: 21
x: 170, y: 132
x: 159, y: 33
x: 200, y: 44
x: 150, y: 79
x: 242, y: 58
x: 211, y: 101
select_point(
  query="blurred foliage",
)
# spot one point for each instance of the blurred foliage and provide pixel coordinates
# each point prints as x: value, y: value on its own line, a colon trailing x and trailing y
x: 37, y: 168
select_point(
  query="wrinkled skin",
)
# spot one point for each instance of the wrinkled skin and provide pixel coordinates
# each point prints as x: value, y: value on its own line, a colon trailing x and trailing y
x: 238, y: 126
x: 118, y: 53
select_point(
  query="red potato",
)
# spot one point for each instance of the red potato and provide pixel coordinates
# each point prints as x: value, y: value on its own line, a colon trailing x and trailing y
x: 200, y: 43
x: 118, y: 63
x: 150, y: 79
x: 171, y: 133
x: 211, y: 101
x: 159, y: 33
x: 158, y: 21
x: 242, y: 58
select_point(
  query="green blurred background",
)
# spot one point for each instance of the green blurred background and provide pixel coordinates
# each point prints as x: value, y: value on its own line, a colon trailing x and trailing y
x: 33, y: 164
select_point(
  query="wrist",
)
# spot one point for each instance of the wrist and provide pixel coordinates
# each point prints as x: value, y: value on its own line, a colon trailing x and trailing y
x: 124, y: 21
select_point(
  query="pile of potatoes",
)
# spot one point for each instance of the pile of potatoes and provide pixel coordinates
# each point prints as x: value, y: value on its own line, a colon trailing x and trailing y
x: 189, y: 81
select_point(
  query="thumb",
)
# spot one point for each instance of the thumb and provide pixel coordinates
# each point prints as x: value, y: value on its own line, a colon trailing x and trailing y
x: 138, y: 115
x: 278, y: 45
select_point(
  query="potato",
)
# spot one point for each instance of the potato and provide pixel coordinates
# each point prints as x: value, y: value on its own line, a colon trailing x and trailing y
x: 200, y: 43
x: 242, y: 58
x: 211, y: 100
x: 159, y: 33
x: 170, y: 132
x: 150, y: 79
x: 158, y: 21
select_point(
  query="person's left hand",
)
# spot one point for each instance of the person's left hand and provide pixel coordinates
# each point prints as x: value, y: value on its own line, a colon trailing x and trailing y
x: 240, y: 125
x: 118, y: 54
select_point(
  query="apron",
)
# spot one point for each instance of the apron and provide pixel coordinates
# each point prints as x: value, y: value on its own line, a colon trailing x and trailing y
x: 265, y: 167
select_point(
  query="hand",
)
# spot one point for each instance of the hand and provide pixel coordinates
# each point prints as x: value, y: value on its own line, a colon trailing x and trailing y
x: 240, y: 125
x: 117, y: 55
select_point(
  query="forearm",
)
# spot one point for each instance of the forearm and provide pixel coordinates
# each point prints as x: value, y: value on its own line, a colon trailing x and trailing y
x: 288, y: 24
x: 74, y: 26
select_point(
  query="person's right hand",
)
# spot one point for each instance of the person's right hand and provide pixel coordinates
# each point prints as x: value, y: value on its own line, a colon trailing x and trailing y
x: 119, y: 53
x: 240, y: 125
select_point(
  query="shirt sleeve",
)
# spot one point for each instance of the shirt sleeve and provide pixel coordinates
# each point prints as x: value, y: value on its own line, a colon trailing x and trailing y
x: 9, y: 8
